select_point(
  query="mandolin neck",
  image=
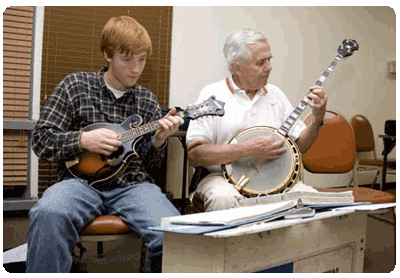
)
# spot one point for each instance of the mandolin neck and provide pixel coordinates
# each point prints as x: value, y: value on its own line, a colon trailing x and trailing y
x: 209, y: 107
x: 134, y: 133
x: 289, y: 122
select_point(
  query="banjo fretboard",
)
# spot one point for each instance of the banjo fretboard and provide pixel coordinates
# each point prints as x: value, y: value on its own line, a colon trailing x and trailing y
x: 289, y: 122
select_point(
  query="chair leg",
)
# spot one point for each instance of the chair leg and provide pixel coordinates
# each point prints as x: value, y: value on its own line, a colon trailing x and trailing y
x: 101, y: 254
x: 351, y: 182
x: 100, y: 250
x: 355, y: 177
x: 378, y: 173
x: 82, y: 250
x: 142, y: 258
x: 394, y: 226
x: 381, y: 183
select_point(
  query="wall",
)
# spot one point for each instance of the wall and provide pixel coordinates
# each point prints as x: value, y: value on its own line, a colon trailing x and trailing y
x: 303, y: 41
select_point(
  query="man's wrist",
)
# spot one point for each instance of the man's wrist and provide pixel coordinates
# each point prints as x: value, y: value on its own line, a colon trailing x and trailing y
x: 158, y: 144
x: 319, y: 124
x: 80, y: 139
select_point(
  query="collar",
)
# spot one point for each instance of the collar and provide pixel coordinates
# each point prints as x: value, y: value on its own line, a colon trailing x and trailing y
x: 101, y: 73
x: 235, y: 89
x: 103, y: 83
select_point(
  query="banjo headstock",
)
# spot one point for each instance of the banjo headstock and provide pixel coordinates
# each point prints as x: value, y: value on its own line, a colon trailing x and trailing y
x: 347, y: 48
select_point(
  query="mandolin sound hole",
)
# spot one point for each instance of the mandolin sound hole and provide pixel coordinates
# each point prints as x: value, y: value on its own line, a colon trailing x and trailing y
x: 117, y: 153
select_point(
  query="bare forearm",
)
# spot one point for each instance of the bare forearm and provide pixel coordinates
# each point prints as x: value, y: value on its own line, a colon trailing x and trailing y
x: 207, y: 155
x: 308, y: 137
x: 265, y: 147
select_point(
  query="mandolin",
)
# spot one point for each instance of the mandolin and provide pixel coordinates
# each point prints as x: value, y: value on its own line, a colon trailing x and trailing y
x: 97, y: 169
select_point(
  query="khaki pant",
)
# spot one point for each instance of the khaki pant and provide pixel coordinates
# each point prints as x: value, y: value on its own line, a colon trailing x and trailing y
x: 217, y: 193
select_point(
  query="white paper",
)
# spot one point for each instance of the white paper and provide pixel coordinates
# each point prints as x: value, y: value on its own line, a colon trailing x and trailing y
x: 371, y: 207
x: 229, y: 216
x: 301, y: 187
x: 17, y: 254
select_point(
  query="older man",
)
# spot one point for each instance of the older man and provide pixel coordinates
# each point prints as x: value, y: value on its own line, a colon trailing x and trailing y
x: 250, y: 101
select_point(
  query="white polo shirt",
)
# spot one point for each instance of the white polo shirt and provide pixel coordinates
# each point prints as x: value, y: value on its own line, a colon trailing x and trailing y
x: 269, y: 107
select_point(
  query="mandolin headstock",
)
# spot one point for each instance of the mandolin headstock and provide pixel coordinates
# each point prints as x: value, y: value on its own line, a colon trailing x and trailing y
x: 209, y: 107
x: 347, y: 48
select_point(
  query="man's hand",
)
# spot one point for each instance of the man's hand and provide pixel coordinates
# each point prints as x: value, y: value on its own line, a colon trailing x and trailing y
x: 318, y: 99
x: 265, y: 147
x: 102, y: 141
x: 168, y: 126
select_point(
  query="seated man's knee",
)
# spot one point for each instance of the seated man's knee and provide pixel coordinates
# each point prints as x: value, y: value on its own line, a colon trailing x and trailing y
x: 47, y: 215
x: 220, y: 201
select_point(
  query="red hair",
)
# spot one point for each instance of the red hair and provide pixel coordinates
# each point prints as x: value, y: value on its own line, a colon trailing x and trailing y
x: 124, y: 34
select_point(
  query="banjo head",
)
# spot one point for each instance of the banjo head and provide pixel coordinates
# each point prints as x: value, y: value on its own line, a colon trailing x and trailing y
x: 253, y: 176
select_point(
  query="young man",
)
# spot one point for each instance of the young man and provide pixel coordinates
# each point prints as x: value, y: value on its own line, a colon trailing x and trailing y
x: 249, y: 101
x: 110, y: 95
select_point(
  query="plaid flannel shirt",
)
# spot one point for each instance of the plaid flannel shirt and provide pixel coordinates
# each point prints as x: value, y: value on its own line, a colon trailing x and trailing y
x: 81, y: 99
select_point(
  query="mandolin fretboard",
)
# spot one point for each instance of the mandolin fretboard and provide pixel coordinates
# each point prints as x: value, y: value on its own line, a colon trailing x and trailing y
x: 134, y: 133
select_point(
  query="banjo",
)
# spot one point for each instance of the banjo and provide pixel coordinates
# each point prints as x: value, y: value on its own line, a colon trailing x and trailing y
x: 254, y: 176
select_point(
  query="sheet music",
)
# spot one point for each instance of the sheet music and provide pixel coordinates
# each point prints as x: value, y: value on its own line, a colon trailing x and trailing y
x: 305, y: 195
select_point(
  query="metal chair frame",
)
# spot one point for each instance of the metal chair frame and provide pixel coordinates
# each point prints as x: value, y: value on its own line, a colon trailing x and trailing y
x: 365, y: 144
x: 101, y: 234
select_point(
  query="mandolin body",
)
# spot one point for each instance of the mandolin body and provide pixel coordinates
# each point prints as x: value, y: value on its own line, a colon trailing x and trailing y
x: 96, y: 168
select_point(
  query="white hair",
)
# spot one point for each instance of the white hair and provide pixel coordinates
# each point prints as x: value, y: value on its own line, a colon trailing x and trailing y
x: 235, y: 47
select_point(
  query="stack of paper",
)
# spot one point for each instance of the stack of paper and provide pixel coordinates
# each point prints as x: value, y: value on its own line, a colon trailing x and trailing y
x: 206, y: 222
x: 229, y: 216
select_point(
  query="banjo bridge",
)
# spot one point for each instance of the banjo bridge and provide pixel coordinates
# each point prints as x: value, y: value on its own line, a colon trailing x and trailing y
x: 243, y: 181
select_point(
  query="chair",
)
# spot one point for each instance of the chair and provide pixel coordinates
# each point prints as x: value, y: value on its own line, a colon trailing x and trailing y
x: 365, y: 149
x: 334, y: 151
x: 339, y: 157
x: 107, y: 228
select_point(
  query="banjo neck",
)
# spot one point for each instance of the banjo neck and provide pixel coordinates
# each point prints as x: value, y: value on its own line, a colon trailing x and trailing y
x: 289, y: 122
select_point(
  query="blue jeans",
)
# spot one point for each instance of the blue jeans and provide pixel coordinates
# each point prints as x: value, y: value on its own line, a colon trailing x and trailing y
x: 68, y: 206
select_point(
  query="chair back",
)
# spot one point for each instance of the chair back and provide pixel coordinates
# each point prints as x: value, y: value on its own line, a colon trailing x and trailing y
x: 334, y: 150
x: 364, y: 134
